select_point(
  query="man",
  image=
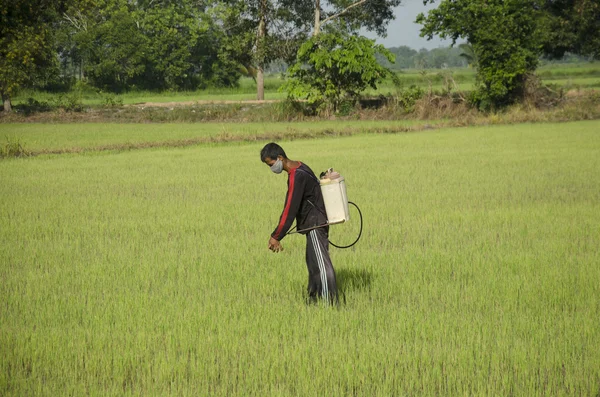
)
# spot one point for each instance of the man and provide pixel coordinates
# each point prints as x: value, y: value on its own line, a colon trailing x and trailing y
x: 304, y: 202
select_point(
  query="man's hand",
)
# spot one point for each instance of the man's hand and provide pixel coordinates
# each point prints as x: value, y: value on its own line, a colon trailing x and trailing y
x: 275, y: 245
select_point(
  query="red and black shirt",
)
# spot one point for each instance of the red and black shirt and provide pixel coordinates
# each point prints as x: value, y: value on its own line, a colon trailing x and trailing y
x: 303, y: 202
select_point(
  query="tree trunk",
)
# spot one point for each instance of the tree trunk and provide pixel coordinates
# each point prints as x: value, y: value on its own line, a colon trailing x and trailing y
x: 260, y: 84
x: 317, y: 18
x: 7, y: 104
x: 260, y: 50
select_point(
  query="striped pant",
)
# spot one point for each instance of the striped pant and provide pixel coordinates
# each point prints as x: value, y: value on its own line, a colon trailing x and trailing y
x: 321, y: 276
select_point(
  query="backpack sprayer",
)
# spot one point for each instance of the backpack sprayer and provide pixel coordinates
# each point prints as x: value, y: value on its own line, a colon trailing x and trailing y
x: 337, y: 206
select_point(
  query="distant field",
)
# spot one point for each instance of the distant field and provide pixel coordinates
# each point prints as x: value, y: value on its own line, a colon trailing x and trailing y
x: 586, y: 75
x: 147, y: 272
x: 92, y: 135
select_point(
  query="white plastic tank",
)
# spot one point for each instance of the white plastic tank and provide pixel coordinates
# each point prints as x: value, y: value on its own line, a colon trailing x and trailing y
x: 336, y: 200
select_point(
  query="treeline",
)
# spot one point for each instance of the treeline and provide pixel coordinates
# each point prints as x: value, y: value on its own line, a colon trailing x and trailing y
x: 437, y: 58
x: 121, y: 45
x: 118, y: 45
x: 450, y: 57
x: 409, y: 58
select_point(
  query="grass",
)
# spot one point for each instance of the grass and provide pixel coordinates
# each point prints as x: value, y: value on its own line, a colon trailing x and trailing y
x: 94, y: 99
x: 57, y: 137
x: 256, y: 121
x: 147, y: 273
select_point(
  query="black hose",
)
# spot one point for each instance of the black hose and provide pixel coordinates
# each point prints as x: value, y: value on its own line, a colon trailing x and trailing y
x: 292, y: 231
x: 359, y: 233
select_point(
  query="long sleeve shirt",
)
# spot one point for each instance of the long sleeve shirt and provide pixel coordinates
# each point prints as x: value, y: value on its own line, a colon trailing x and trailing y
x: 303, y: 202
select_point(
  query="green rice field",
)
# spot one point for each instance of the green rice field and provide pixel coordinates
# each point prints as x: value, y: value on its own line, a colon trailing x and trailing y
x: 37, y: 137
x: 147, y: 272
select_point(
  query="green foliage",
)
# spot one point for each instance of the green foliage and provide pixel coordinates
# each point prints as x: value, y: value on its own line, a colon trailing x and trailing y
x: 283, y: 31
x: 13, y: 147
x: 468, y: 54
x: 115, y: 64
x: 370, y: 15
x: 436, y: 58
x: 26, y: 53
x: 112, y: 100
x: 333, y: 67
x: 70, y: 102
x: 407, y: 98
x: 171, y: 32
x: 571, y: 26
x: 504, y: 41
x: 32, y: 105
x: 120, y: 45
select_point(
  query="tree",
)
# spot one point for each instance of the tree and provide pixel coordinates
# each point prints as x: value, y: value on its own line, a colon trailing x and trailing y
x: 508, y: 37
x: 117, y: 49
x: 571, y: 26
x: 341, y: 63
x: 260, y: 32
x: 372, y: 15
x: 403, y: 55
x: 177, y: 40
x: 150, y: 44
x: 275, y: 29
x: 504, y: 37
x: 331, y: 67
x: 26, y: 50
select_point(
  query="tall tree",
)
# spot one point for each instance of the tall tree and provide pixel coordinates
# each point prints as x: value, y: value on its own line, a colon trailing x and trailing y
x: 182, y: 42
x: 279, y: 27
x: 372, y: 15
x: 150, y: 44
x: 504, y: 37
x: 26, y: 51
x: 337, y: 63
x: 571, y: 26
x: 117, y: 50
x: 261, y: 31
x: 508, y: 36
x: 261, y: 48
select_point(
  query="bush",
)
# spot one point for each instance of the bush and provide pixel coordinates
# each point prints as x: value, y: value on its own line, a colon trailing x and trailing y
x: 293, y: 110
x: 13, y: 148
x: 33, y: 106
x: 112, y: 100
x: 408, y: 98
x: 503, y: 38
x: 70, y: 102
x: 332, y: 68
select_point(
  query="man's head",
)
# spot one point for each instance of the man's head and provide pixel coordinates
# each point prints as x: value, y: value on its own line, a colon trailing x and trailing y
x: 274, y: 156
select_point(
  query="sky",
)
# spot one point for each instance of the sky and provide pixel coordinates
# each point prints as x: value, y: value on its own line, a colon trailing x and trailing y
x: 404, y: 31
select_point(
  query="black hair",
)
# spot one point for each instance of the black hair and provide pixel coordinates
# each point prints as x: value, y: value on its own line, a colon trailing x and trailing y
x: 272, y: 151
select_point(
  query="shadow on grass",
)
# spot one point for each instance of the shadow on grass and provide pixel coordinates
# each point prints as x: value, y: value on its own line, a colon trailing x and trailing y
x: 348, y: 280
x: 353, y: 279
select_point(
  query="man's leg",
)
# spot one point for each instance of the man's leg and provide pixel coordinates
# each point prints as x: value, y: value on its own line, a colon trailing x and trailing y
x: 317, y: 253
x: 314, y: 272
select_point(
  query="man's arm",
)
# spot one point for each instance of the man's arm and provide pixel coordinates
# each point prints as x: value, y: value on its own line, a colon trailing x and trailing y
x: 293, y: 199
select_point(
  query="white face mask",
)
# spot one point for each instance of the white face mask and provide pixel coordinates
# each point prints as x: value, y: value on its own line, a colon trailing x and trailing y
x: 277, y: 167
